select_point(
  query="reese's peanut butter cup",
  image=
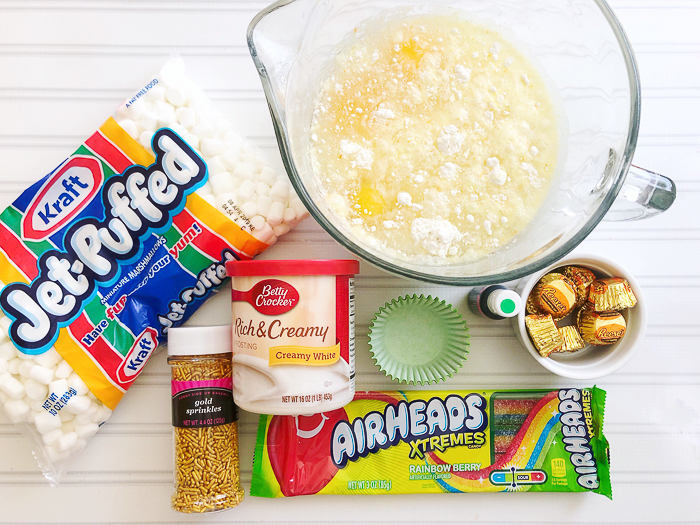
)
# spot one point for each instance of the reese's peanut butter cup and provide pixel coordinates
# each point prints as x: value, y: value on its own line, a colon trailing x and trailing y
x: 572, y: 339
x: 544, y: 333
x: 554, y: 294
x: 601, y: 328
x: 583, y: 279
x: 611, y: 294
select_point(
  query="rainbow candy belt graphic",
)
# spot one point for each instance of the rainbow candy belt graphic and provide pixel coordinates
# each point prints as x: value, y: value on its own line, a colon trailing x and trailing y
x: 526, y: 452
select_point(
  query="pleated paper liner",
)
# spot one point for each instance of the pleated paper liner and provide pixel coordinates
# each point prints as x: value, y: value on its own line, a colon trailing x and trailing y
x: 418, y: 340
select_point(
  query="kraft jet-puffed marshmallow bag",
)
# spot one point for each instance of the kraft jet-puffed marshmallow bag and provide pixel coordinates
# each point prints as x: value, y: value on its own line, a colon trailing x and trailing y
x: 125, y: 239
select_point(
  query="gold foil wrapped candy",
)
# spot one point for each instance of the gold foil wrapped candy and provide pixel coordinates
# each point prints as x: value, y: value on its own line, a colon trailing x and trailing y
x: 601, y: 328
x: 582, y: 278
x: 555, y: 295
x: 611, y: 294
x: 572, y: 339
x: 544, y: 333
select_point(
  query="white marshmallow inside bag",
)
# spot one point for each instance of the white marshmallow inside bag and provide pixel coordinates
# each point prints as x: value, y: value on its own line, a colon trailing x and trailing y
x: 236, y: 166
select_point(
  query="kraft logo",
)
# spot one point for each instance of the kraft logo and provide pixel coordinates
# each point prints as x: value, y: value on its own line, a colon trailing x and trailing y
x: 135, y: 360
x: 64, y: 196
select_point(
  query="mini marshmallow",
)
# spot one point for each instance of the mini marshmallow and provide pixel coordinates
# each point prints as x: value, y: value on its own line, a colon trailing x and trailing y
x: 34, y: 390
x: 177, y: 128
x: 215, y: 166
x: 3, y: 336
x: 8, y: 350
x: 249, y: 209
x: 262, y: 189
x: 78, y: 404
x: 17, y: 410
x: 149, y: 123
x: 257, y: 222
x: 155, y: 93
x: 4, y: 366
x: 276, y: 214
x: 130, y: 127
x: 145, y: 139
x: 280, y: 229
x: 79, y: 445
x: 4, y: 398
x: 66, y: 416
x: 267, y: 176
x: 63, y: 370
x: 210, y: 199
x: 186, y: 117
x: 299, y: 208
x: 203, y: 130
x: 5, y: 323
x: 289, y: 215
x: 45, y: 422
x: 13, y: 365
x: 67, y: 426
x: 86, y: 417
x: 102, y: 415
x: 37, y: 406
x: 231, y: 158
x: 211, y: 147
x: 228, y: 199
x: 41, y: 374
x: 52, y: 437
x: 166, y: 115
x: 11, y: 386
x: 176, y: 96
x: 244, y: 171
x: 192, y: 140
x: 54, y: 454
x: 264, y: 234
x: 222, y: 183
x: 67, y: 441
x: 25, y: 367
x: 279, y: 191
x: 58, y: 387
x: 48, y: 359
x: 87, y: 430
x: 264, y: 203
x: 246, y: 191
x: 76, y: 383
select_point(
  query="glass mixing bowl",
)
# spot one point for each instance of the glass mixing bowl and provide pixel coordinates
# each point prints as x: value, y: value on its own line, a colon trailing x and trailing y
x: 583, y: 50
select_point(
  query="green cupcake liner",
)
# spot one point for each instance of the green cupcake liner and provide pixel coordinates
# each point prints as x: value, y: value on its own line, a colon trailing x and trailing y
x: 418, y: 340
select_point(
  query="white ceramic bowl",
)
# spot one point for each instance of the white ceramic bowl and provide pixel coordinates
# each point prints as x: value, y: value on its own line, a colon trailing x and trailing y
x: 593, y: 361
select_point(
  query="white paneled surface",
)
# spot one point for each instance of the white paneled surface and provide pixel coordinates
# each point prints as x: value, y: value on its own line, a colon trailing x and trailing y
x: 66, y: 64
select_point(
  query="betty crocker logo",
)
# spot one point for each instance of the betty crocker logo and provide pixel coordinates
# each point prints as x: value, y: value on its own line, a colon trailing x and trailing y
x: 269, y: 297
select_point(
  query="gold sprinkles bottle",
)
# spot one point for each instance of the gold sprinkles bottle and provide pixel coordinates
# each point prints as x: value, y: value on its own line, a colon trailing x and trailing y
x: 205, y: 420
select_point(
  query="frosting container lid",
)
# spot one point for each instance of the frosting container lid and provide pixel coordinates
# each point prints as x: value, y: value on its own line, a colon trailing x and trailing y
x: 293, y: 267
x: 200, y: 340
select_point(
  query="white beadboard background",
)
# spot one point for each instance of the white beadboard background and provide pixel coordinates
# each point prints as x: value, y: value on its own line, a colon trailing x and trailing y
x: 66, y: 64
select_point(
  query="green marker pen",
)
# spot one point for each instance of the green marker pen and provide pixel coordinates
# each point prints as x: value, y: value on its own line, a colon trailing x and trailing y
x: 495, y: 302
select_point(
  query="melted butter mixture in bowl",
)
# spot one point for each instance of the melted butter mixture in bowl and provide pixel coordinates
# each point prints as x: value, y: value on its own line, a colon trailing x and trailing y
x: 433, y: 139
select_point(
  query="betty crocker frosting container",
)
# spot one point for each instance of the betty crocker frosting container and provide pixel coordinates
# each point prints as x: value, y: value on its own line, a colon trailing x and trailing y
x: 293, y: 335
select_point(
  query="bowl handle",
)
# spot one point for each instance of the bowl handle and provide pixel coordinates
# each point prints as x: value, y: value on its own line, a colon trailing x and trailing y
x: 643, y: 195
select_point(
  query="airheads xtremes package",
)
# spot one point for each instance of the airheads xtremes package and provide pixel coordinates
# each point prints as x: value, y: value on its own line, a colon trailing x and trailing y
x: 410, y: 442
x: 125, y: 239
